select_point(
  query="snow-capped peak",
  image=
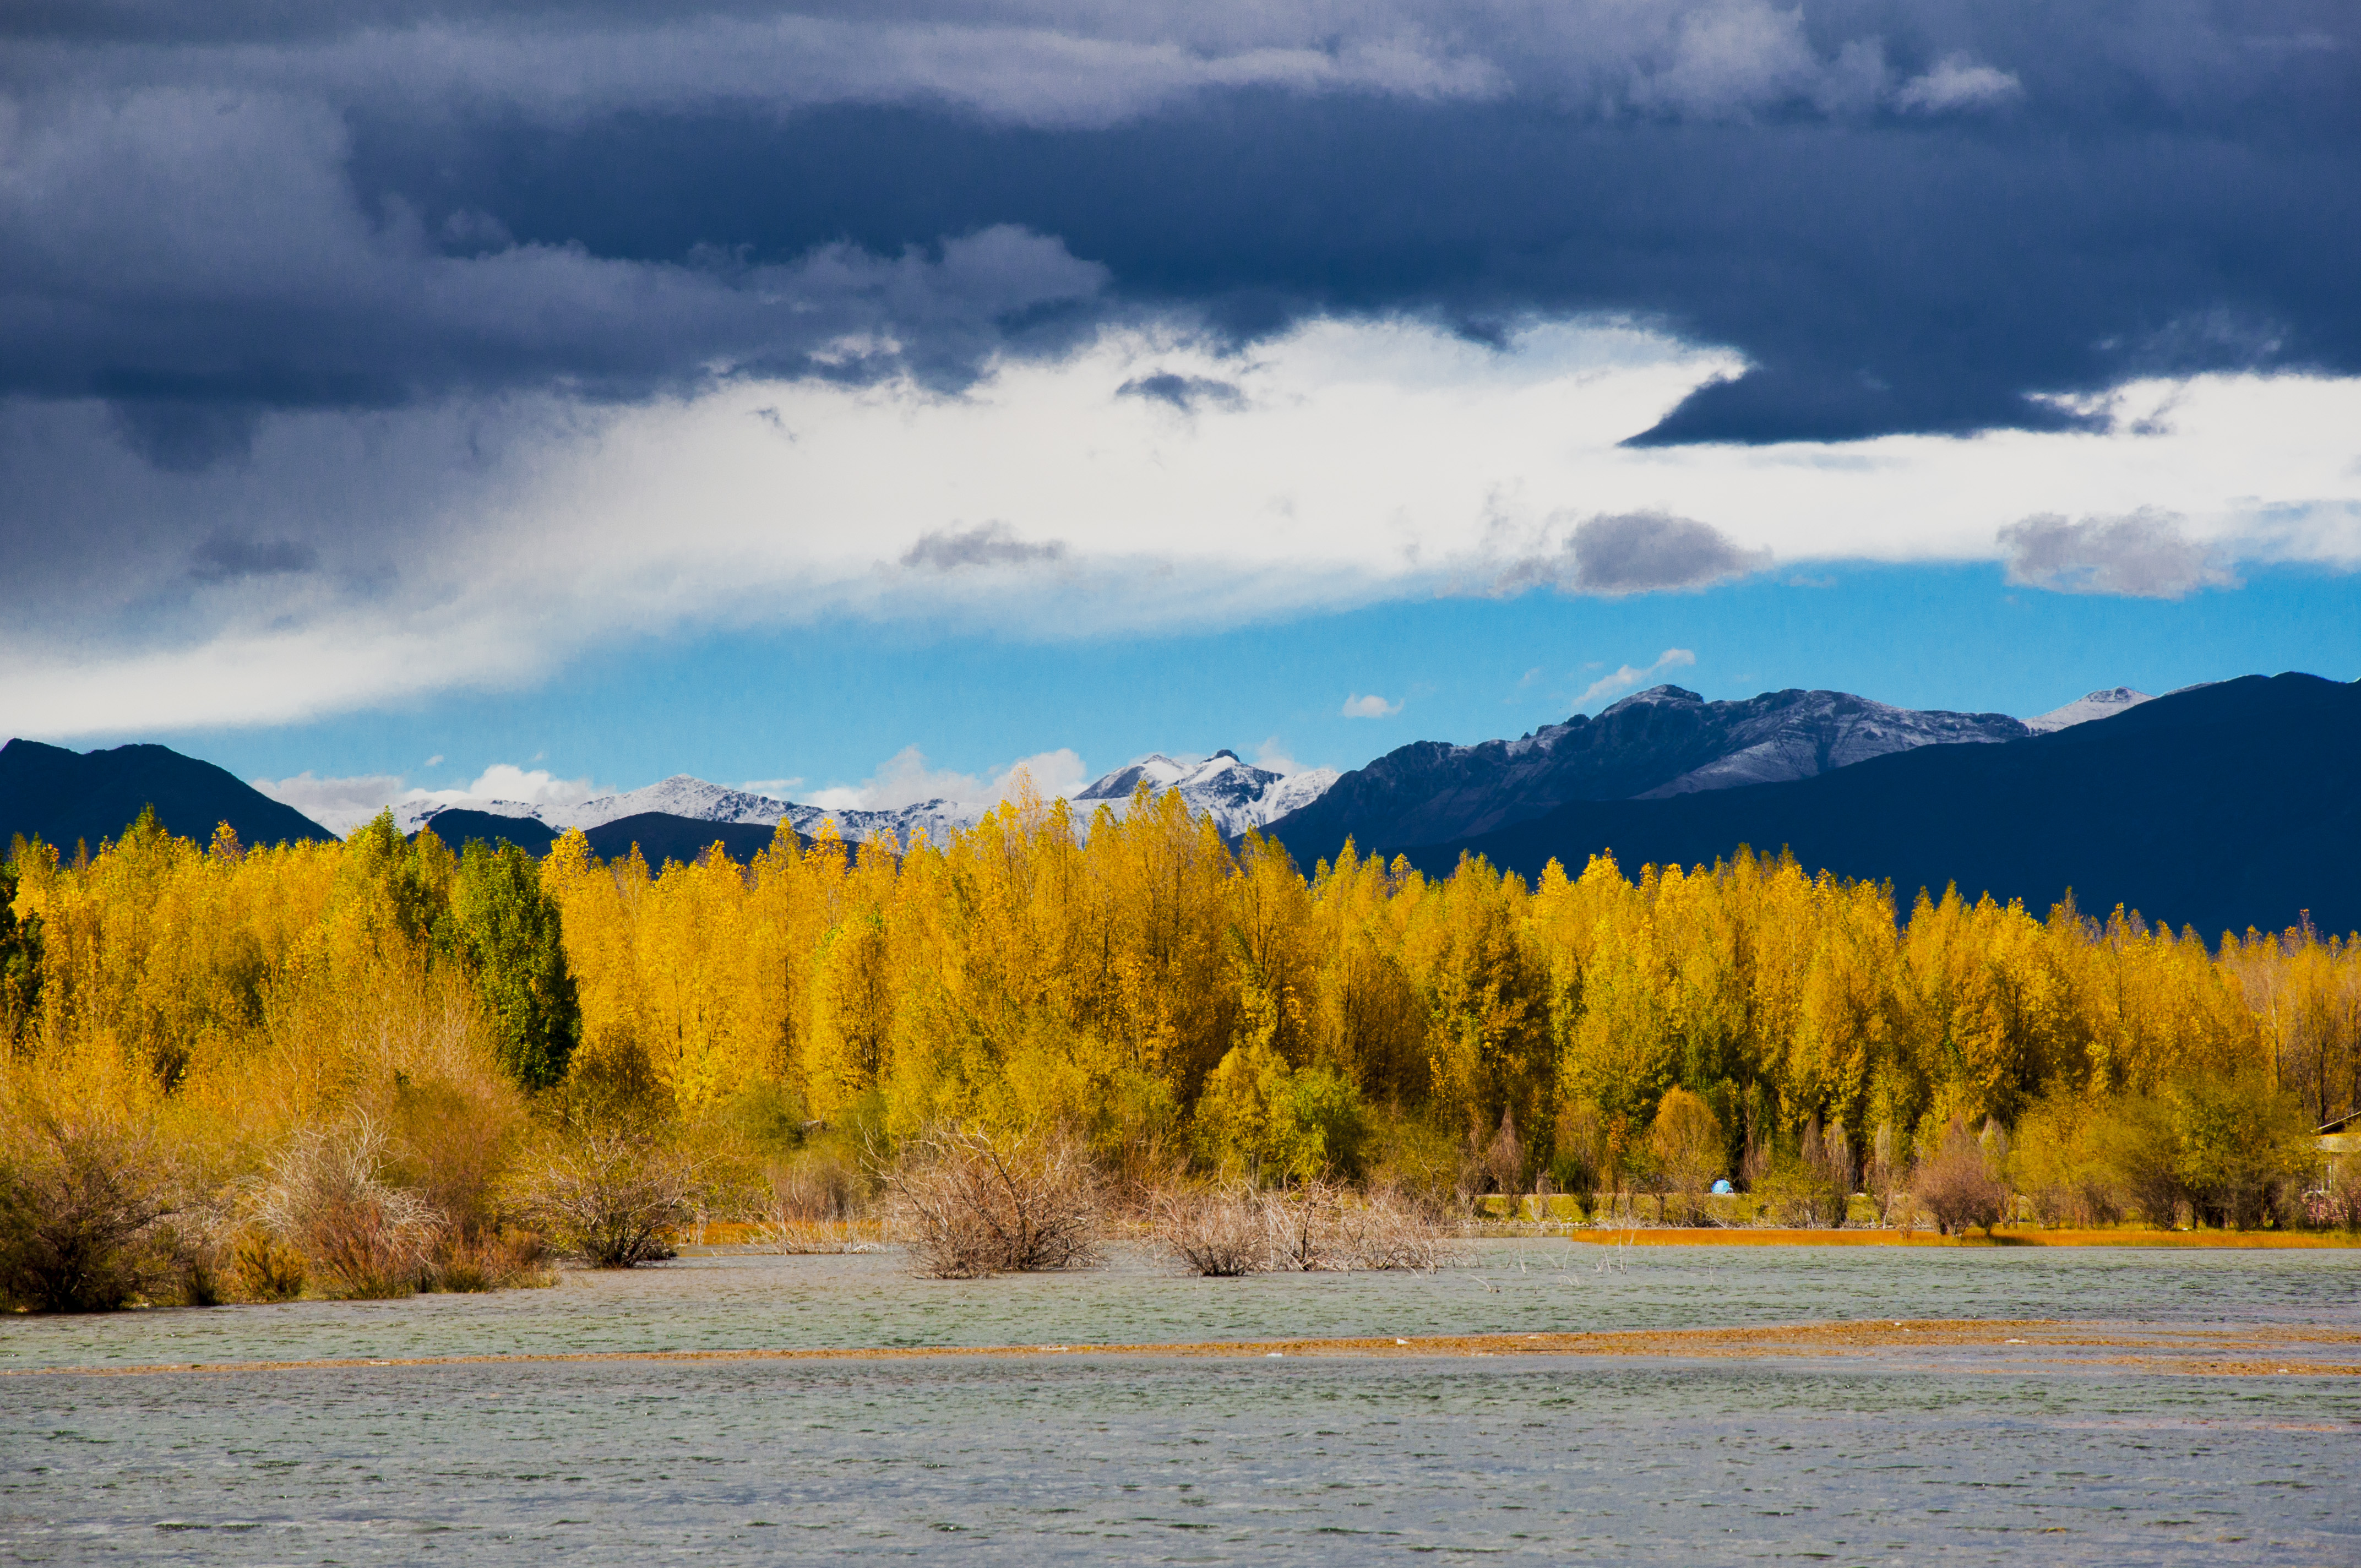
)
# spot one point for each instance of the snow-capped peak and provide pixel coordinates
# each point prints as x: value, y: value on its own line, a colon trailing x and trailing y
x: 1238, y: 795
x: 1160, y: 771
x: 2103, y: 704
x: 679, y: 795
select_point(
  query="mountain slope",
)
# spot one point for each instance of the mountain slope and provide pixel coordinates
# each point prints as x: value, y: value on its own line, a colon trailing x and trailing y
x: 62, y: 796
x: 456, y: 826
x: 2221, y: 807
x: 662, y: 836
x: 1662, y: 741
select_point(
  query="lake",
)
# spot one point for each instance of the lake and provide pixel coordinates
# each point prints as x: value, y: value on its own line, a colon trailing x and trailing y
x: 1951, y: 1456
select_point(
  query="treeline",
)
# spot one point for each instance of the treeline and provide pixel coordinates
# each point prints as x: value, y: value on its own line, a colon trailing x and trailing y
x: 1174, y: 1001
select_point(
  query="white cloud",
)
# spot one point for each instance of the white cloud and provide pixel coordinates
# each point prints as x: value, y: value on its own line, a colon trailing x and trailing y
x: 341, y: 805
x: 1373, y: 460
x: 904, y: 778
x: 1957, y: 82
x: 1272, y: 757
x: 1370, y: 707
x: 1629, y: 679
x: 536, y: 787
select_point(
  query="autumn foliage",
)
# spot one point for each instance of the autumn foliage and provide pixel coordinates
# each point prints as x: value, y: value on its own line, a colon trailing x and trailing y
x: 1176, y: 1005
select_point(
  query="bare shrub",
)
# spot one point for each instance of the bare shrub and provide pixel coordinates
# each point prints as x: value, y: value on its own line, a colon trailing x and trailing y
x: 969, y: 1204
x: 1390, y: 1228
x: 813, y: 1205
x: 1304, y: 1225
x: 193, y: 1265
x: 609, y: 1196
x: 361, y: 1238
x: 82, y: 1199
x: 1503, y: 1160
x: 1813, y: 1190
x: 817, y: 1185
x: 1884, y: 1172
x: 1218, y: 1231
x: 1956, y: 1185
x: 1231, y: 1229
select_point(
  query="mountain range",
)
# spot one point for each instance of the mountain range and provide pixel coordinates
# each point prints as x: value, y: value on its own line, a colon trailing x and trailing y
x: 1665, y: 741
x: 2222, y: 806
x: 1662, y: 741
x: 1237, y: 796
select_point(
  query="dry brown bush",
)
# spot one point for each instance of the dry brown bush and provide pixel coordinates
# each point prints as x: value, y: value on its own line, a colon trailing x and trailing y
x: 969, y: 1204
x: 1217, y: 1231
x: 608, y: 1196
x: 1393, y: 1229
x: 360, y: 1237
x: 82, y: 1200
x: 816, y: 1185
x: 1231, y: 1229
x: 813, y: 1205
x: 1956, y: 1185
x: 1305, y: 1227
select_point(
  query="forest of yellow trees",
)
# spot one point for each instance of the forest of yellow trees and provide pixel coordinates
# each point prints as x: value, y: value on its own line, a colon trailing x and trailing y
x: 1180, y: 1002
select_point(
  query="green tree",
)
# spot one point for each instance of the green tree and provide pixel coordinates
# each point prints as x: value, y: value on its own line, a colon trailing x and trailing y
x: 21, y: 958
x: 509, y: 932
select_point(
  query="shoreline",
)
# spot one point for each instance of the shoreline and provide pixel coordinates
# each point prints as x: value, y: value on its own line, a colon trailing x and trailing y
x: 2168, y: 1349
x: 730, y: 1236
x: 1674, y: 1236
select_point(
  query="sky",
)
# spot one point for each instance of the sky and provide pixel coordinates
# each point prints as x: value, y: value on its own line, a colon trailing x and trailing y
x: 549, y: 396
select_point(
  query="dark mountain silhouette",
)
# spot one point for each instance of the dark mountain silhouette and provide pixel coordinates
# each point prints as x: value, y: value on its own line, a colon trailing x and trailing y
x: 663, y: 836
x: 660, y: 835
x: 64, y: 798
x: 458, y: 826
x: 1665, y: 741
x: 2223, y: 807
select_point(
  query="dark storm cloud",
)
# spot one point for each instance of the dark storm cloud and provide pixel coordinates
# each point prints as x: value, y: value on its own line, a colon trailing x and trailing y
x: 223, y: 556
x: 1186, y: 393
x: 2142, y: 556
x: 987, y: 544
x: 1907, y: 217
x: 1635, y: 552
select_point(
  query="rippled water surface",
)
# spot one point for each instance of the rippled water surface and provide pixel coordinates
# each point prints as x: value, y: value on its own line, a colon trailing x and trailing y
x: 1130, y: 1459
x: 746, y: 1301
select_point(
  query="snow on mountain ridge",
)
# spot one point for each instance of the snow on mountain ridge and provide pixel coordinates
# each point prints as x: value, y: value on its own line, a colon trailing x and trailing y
x: 679, y: 795
x: 1237, y: 794
x: 1836, y: 731
x: 2103, y: 704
